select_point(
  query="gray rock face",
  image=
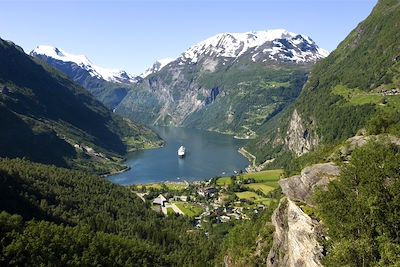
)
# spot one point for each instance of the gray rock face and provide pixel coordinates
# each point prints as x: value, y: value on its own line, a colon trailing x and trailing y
x: 295, y: 238
x: 300, y: 139
x: 222, y: 83
x: 165, y: 99
x: 301, y: 187
x: 344, y: 152
x: 296, y: 234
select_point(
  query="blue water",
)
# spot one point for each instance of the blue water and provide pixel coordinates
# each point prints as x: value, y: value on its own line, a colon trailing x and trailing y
x: 208, y: 155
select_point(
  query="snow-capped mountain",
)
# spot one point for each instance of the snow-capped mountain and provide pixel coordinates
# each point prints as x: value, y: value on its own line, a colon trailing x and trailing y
x: 220, y: 82
x: 270, y: 46
x: 157, y: 66
x: 275, y: 44
x: 110, y: 75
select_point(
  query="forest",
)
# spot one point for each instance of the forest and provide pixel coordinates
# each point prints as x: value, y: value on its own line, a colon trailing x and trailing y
x: 57, y: 216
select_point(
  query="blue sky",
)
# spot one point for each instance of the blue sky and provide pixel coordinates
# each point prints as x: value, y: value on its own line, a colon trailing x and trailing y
x: 131, y: 35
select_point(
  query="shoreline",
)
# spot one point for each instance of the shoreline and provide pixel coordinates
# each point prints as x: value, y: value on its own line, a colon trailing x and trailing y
x: 250, y: 168
x: 250, y: 157
x: 128, y: 168
x: 253, y: 167
x: 184, y: 183
x: 146, y: 148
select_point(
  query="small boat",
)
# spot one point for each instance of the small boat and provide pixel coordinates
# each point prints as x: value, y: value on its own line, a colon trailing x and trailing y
x: 181, y: 151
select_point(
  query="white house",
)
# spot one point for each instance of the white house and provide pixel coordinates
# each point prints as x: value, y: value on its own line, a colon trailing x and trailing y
x: 160, y: 200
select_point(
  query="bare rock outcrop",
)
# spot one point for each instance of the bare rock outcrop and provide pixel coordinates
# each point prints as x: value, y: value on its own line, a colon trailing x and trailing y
x: 344, y: 151
x: 297, y: 235
x: 301, y: 187
x: 299, y: 138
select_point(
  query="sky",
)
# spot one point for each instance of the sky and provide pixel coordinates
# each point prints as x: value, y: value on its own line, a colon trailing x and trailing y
x: 131, y: 35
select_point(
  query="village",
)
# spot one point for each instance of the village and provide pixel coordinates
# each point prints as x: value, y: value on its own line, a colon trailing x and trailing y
x: 218, y: 200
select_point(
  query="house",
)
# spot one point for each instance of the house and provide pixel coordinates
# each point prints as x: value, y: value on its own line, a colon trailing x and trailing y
x: 179, y: 198
x: 224, y: 218
x: 207, y: 192
x: 160, y: 200
x: 183, y: 198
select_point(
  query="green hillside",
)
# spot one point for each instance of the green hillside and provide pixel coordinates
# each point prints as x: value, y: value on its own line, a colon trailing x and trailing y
x: 70, y: 218
x: 252, y: 94
x: 49, y: 119
x: 239, y: 98
x: 356, y: 87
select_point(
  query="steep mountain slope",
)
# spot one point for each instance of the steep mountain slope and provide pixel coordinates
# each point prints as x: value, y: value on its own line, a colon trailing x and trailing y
x: 108, y: 86
x: 157, y: 66
x: 231, y: 82
x: 71, y: 218
x: 48, y: 118
x: 356, y: 87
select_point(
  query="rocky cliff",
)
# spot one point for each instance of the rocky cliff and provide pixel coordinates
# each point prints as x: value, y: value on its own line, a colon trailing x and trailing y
x: 300, y: 138
x: 297, y: 236
x: 231, y: 82
x: 354, y: 88
x: 301, y: 187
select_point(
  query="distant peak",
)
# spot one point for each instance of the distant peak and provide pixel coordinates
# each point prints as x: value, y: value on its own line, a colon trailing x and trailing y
x: 112, y: 75
x: 60, y: 54
x: 233, y: 45
x: 157, y: 66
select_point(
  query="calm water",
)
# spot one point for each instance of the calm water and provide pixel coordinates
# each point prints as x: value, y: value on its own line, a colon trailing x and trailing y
x: 207, y: 155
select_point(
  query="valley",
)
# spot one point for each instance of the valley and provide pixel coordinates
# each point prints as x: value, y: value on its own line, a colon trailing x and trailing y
x: 218, y: 200
x: 230, y: 83
x: 208, y: 154
x: 292, y: 154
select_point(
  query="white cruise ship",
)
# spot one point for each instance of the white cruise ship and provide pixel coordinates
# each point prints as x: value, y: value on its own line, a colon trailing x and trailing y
x: 181, y: 151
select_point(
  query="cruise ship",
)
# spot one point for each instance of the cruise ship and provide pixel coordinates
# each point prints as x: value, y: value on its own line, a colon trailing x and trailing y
x: 181, y: 151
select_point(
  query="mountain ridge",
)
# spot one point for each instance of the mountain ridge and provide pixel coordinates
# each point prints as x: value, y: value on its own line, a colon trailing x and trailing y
x: 110, y: 75
x: 234, y: 45
x: 108, y: 86
x: 53, y: 120
x: 350, y: 92
x: 202, y: 87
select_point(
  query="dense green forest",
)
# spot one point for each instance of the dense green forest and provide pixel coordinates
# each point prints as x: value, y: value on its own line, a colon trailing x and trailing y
x: 360, y: 210
x: 56, y: 216
x: 72, y: 218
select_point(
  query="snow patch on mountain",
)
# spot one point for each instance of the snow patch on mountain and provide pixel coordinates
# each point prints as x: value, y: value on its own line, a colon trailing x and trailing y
x: 157, y: 66
x: 111, y: 75
x: 290, y: 46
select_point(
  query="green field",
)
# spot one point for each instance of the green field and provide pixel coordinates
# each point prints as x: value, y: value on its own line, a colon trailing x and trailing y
x: 170, y: 186
x: 149, y: 186
x: 248, y: 195
x: 170, y: 211
x: 176, y: 186
x: 264, y: 176
x: 269, y: 177
x: 264, y: 201
x: 265, y: 188
x: 224, y: 181
x: 357, y: 97
x: 189, y: 209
